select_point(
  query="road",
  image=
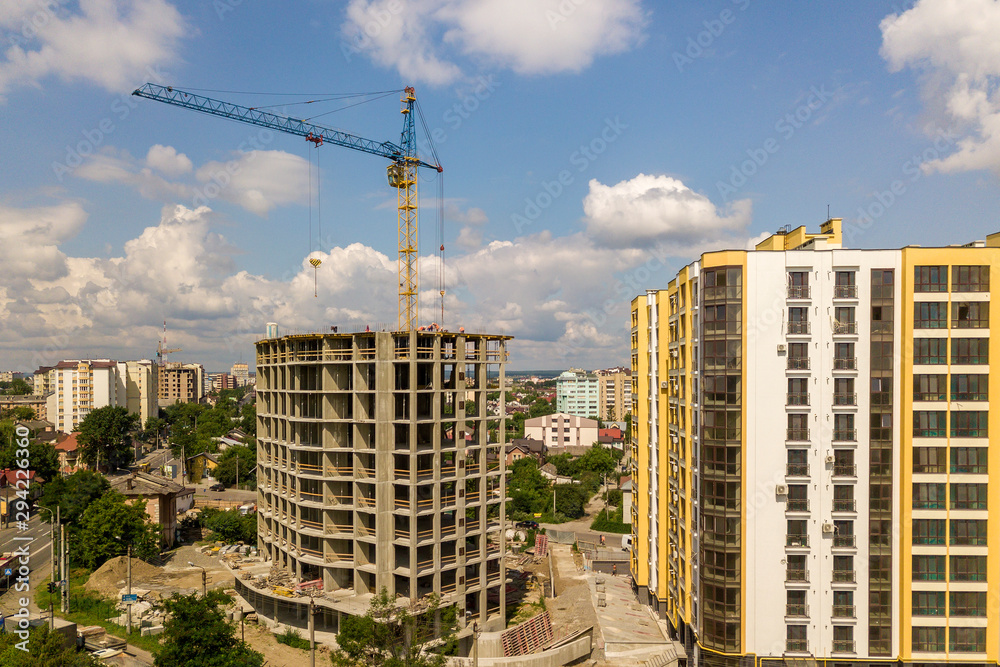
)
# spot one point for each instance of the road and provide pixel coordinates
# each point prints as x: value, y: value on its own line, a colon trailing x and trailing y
x: 37, y: 545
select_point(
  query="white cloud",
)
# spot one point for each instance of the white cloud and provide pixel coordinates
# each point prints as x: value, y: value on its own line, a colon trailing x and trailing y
x: 954, y: 44
x: 659, y: 210
x: 527, y: 36
x: 168, y: 161
x: 112, y: 44
x: 30, y: 238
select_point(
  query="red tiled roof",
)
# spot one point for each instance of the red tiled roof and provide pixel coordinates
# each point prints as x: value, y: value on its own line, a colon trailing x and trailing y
x: 68, y: 443
x: 10, y: 477
x: 613, y: 433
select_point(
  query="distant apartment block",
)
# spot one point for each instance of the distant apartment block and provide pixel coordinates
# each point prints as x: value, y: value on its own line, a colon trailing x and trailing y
x: 578, y: 393
x: 561, y: 431
x: 372, y: 474
x: 141, y: 379
x: 82, y: 386
x: 180, y: 383
x: 614, y: 393
x: 10, y: 376
x: 810, y: 445
x: 36, y: 403
x: 241, y: 374
x: 221, y: 381
x: 42, y: 381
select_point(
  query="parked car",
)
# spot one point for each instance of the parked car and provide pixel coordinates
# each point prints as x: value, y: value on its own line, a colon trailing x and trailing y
x: 218, y: 486
x: 531, y: 525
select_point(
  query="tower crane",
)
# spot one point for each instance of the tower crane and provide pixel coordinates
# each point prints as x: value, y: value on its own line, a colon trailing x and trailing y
x: 402, y: 171
x: 161, y: 348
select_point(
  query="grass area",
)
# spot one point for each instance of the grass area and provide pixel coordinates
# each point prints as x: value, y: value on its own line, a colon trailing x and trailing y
x: 291, y: 637
x: 89, y: 608
x: 519, y: 613
x: 611, y: 523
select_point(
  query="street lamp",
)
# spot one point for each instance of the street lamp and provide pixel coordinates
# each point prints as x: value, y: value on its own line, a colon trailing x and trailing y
x: 204, y: 579
x: 52, y: 556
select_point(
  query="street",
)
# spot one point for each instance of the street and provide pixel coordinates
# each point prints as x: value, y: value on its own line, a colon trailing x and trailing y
x: 37, y: 545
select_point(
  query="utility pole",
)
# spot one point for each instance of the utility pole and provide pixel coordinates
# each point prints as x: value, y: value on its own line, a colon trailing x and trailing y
x: 237, y: 472
x: 312, y: 632
x: 65, y: 595
x: 128, y: 605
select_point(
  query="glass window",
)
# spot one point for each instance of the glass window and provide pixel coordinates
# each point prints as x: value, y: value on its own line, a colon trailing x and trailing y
x: 931, y: 351
x: 970, y: 460
x: 930, y: 279
x: 798, y: 314
x: 929, y: 531
x: 929, y: 388
x: 967, y: 603
x: 929, y: 496
x: 928, y: 603
x: 970, y: 279
x: 967, y: 640
x: 968, y: 496
x: 966, y: 424
x: 928, y: 568
x: 930, y: 315
x: 929, y: 424
x: 928, y: 640
x: 970, y: 532
x: 969, y: 387
x: 843, y: 278
x: 970, y: 315
x: 930, y: 460
x: 968, y: 568
x: 970, y: 351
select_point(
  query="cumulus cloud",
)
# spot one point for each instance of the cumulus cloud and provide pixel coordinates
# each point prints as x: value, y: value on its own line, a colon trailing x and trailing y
x: 109, y: 43
x: 528, y: 36
x: 954, y: 45
x: 168, y: 161
x: 30, y: 238
x: 659, y: 210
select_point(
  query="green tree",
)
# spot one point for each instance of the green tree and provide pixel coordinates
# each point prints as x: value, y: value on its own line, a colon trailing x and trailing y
x: 19, y: 388
x: 391, y: 636
x: 571, y: 499
x: 248, y: 420
x: 73, y: 494
x: 21, y: 413
x: 111, y: 523
x: 540, y: 408
x: 598, y: 459
x: 226, y: 470
x: 152, y: 427
x: 566, y: 464
x: 105, y: 437
x: 42, y: 457
x: 44, y: 649
x: 230, y: 525
x: 196, y: 632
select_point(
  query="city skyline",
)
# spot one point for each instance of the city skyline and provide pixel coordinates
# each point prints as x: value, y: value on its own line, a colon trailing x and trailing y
x: 590, y: 150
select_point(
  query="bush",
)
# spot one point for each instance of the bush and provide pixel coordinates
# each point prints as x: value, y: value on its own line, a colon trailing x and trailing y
x: 611, y: 523
x: 615, y: 497
x: 230, y: 525
x: 291, y: 637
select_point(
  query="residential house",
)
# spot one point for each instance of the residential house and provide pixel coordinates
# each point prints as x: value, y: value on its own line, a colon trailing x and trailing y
x: 161, y: 495
x: 200, y: 467
x: 68, y: 449
x: 562, y: 433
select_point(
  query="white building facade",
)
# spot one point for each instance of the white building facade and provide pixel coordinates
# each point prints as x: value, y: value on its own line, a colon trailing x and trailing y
x: 578, y: 393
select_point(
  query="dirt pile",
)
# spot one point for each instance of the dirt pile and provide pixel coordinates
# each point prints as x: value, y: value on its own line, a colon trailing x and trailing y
x: 113, y: 576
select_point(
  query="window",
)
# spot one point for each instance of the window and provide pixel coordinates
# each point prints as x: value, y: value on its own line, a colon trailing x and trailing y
x: 967, y: 640
x: 968, y: 424
x: 879, y: 568
x: 929, y: 424
x: 843, y: 463
x: 967, y: 603
x: 844, y: 321
x: 844, y: 285
x: 929, y: 531
x: 929, y: 387
x: 843, y: 498
x: 798, y: 499
x: 930, y: 351
x: 798, y: 426
x: 970, y: 279
x: 933, y: 460
x: 928, y: 568
x: 798, y: 284
x: 797, y: 535
x: 843, y: 428
x: 928, y: 603
x: 970, y: 387
x: 843, y: 604
x: 798, y: 391
x: 843, y: 392
x: 930, y: 279
x: 843, y: 638
x: 881, y: 357
x: 968, y: 496
x: 880, y: 426
x: 798, y: 320
x: 930, y: 315
x: 970, y: 315
x: 882, y: 283
x: 843, y: 356
x: 796, y: 604
x: 970, y: 351
x: 970, y: 460
x: 796, y: 570
x: 798, y: 462
x: 798, y: 356
x: 796, y: 638
x: 968, y: 568
x: 928, y: 496
x: 970, y: 532
x: 843, y: 568
x: 928, y: 640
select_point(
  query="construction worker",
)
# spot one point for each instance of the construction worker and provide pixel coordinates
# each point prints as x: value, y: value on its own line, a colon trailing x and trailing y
x: 614, y: 570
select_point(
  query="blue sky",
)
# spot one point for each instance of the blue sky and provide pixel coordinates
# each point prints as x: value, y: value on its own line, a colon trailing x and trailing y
x: 590, y: 148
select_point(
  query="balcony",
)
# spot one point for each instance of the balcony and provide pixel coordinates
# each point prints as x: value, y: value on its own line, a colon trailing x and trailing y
x: 845, y: 540
x: 843, y: 611
x: 845, y: 364
x: 798, y: 398
x: 797, y: 576
x: 845, y: 505
x: 843, y: 646
x: 844, y: 577
x: 842, y: 328
x: 797, y: 470
x: 797, y: 541
x: 797, y: 434
x: 798, y: 363
x: 798, y: 610
x: 845, y: 470
x: 798, y: 291
x: 845, y: 292
x: 797, y: 645
x: 797, y: 505
x: 799, y: 328
x: 845, y: 435
x: 845, y: 399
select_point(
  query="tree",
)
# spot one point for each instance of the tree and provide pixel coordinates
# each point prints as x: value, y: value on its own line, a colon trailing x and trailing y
x: 598, y: 459
x: 248, y: 422
x: 152, y: 427
x: 196, y: 632
x: 44, y: 649
x: 21, y: 413
x: 42, y: 457
x: 19, y: 388
x: 105, y: 437
x: 74, y: 494
x: 540, y: 408
x: 230, y: 525
x: 226, y: 470
x: 391, y: 636
x: 111, y: 523
x: 571, y: 499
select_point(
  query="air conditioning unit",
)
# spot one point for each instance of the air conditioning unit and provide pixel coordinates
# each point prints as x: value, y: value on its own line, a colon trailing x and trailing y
x: 780, y: 489
x: 781, y: 348
x: 829, y: 459
x: 828, y: 528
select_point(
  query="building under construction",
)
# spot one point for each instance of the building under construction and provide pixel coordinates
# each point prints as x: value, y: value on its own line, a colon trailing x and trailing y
x: 377, y: 468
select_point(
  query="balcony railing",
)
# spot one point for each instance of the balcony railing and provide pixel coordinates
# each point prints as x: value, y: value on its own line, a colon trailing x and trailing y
x: 797, y: 645
x: 845, y: 292
x: 845, y: 505
x: 845, y: 434
x: 799, y: 576
x: 797, y: 505
x: 845, y: 399
x: 845, y: 470
x: 798, y: 327
x: 797, y: 470
x: 796, y: 540
x: 798, y: 398
x: 843, y: 611
x: 844, y: 540
x: 844, y: 576
x: 800, y: 610
x: 798, y: 363
x: 798, y: 291
x: 840, y: 328
x: 843, y: 646
x: 845, y: 364
x: 797, y: 434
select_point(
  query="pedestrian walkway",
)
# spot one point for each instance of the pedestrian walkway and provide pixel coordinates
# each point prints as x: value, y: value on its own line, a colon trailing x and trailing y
x: 627, y: 629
